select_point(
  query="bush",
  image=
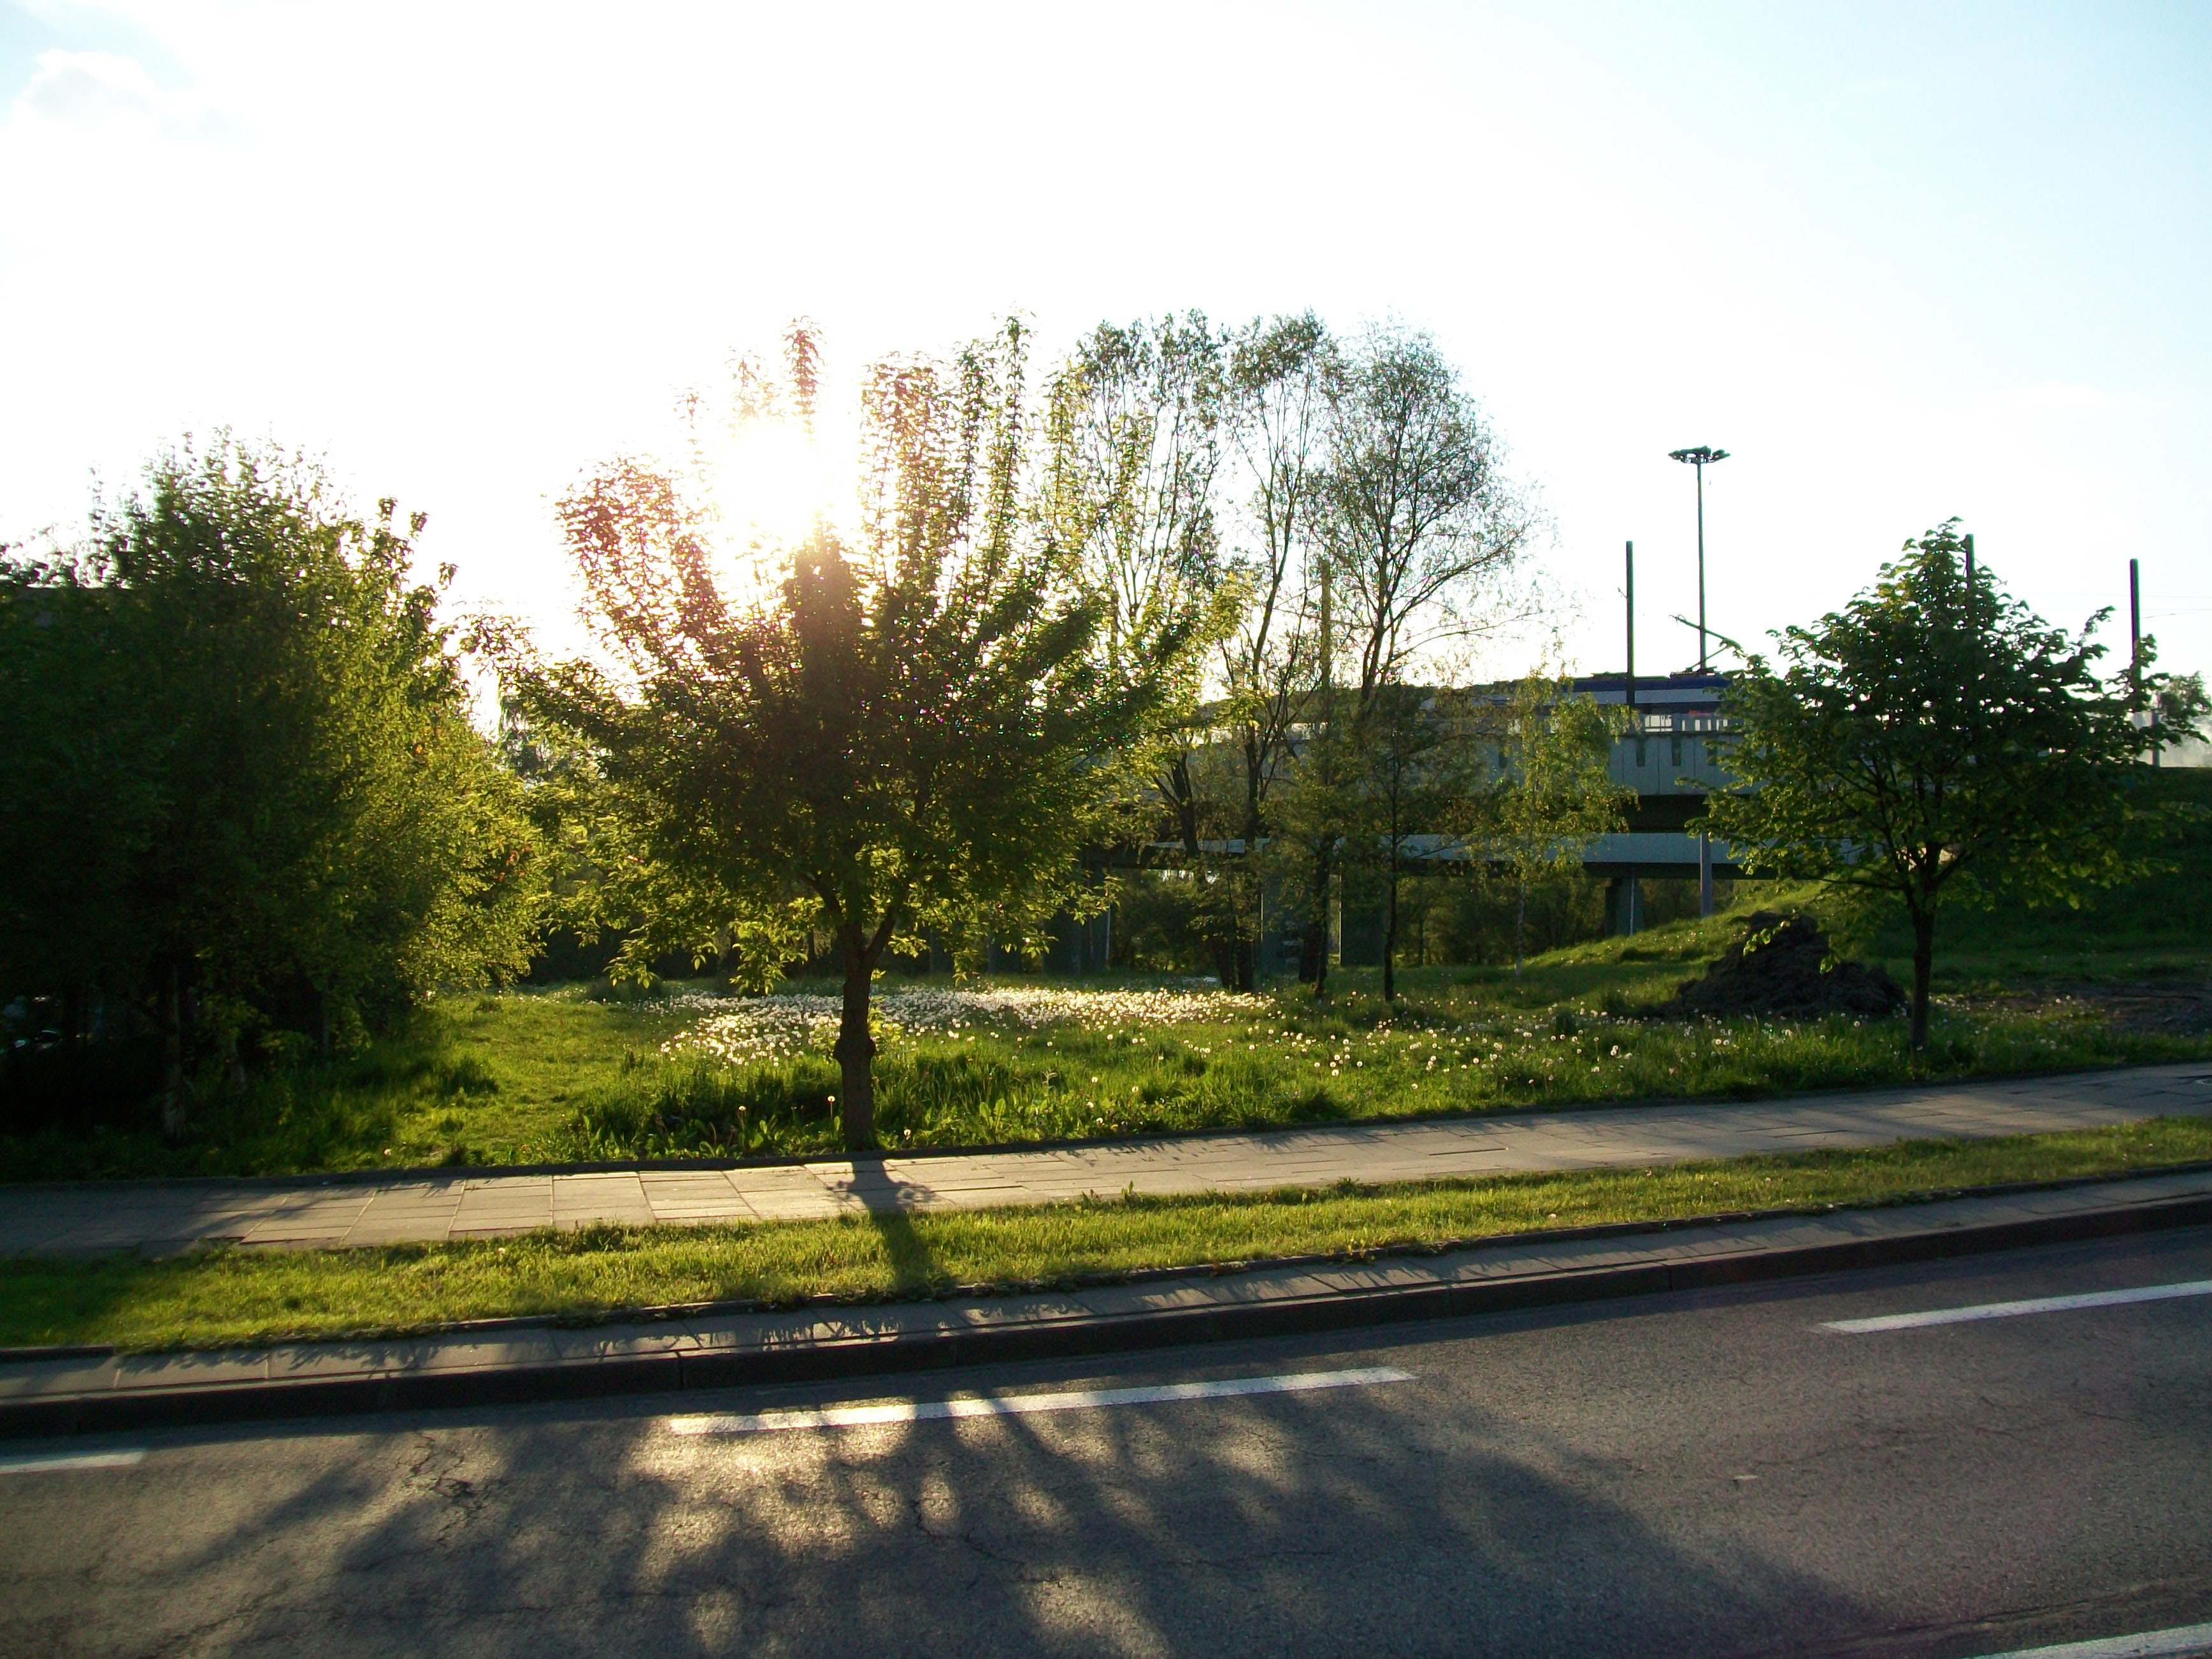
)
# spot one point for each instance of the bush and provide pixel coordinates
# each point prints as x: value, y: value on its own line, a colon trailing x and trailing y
x: 242, y: 791
x: 1159, y: 924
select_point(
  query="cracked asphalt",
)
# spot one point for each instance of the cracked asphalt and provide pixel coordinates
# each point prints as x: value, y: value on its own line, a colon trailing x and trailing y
x: 1706, y: 1474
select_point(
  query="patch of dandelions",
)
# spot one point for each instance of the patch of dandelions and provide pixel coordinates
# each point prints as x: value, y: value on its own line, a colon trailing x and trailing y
x: 774, y: 1028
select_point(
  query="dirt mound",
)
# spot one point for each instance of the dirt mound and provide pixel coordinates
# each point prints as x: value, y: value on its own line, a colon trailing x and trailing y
x: 1778, y: 969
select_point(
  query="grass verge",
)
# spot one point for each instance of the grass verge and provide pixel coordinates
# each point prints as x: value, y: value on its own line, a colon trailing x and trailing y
x: 560, y: 1076
x: 228, y: 1297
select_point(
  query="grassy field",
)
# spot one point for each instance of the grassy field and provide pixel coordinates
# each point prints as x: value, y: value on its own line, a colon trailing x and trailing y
x: 580, y: 1072
x: 234, y: 1296
x: 557, y: 1075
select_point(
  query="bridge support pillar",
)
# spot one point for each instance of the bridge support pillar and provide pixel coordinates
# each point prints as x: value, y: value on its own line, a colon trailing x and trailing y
x: 1282, y: 930
x: 1624, y: 906
x: 1360, y: 927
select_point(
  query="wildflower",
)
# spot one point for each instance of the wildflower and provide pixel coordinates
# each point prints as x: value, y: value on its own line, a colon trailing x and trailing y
x: 740, y: 1031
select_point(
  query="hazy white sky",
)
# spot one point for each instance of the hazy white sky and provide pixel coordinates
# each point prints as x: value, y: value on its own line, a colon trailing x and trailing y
x: 1902, y: 261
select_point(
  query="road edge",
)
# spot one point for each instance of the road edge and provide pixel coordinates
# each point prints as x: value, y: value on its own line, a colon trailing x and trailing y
x: 905, y: 1353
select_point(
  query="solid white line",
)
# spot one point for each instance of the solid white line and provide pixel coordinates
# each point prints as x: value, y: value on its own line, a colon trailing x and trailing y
x: 39, y: 1463
x: 2151, y: 1645
x: 1008, y: 1405
x: 2010, y: 1309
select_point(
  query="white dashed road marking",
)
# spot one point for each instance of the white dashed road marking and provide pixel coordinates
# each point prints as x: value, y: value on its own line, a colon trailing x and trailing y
x: 1008, y: 1405
x: 2012, y: 1310
x: 2176, y: 1643
x: 46, y: 1462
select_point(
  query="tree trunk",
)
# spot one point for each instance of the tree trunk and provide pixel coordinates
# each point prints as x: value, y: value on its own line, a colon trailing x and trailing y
x: 856, y: 1048
x: 232, y: 1065
x: 1924, y: 962
x: 1391, y: 939
x: 1248, y: 940
x: 1520, y: 924
x: 173, y: 1055
x: 1313, y: 948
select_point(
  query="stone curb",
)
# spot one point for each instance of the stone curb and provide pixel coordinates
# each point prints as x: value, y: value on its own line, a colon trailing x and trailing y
x: 902, y: 1352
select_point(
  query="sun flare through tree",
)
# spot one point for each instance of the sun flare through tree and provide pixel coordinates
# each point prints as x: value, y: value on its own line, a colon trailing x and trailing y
x: 918, y: 730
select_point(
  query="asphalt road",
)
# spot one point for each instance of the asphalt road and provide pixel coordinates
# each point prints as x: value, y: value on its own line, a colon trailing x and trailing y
x: 1707, y: 1474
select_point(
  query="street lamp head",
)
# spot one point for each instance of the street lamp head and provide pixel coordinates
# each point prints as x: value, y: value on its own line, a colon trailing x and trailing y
x: 1702, y: 455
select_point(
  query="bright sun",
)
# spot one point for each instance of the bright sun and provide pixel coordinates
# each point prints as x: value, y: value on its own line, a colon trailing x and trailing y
x: 770, y: 483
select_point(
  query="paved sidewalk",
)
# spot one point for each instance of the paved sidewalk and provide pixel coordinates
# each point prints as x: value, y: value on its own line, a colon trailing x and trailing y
x: 164, y: 1216
x: 695, y: 1349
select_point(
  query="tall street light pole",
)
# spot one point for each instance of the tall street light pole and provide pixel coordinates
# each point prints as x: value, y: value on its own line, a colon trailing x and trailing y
x: 1701, y: 456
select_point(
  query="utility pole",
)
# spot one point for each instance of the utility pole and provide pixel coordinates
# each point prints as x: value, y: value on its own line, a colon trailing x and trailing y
x: 1629, y: 698
x: 1701, y: 456
x: 1636, y: 723
x: 1973, y: 620
x: 1973, y: 611
x: 2135, y: 649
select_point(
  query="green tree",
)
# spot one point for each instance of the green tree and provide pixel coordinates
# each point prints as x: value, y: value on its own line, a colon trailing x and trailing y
x: 1135, y: 434
x: 247, y: 774
x: 1928, y: 742
x: 1189, y: 462
x: 1421, y: 533
x: 923, y: 730
x: 1281, y: 372
x: 80, y: 790
x: 2180, y: 708
x: 1551, y: 792
x: 1411, y: 779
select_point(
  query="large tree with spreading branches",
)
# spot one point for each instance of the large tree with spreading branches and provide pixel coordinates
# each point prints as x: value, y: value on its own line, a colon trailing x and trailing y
x: 921, y: 728
x: 1422, y: 534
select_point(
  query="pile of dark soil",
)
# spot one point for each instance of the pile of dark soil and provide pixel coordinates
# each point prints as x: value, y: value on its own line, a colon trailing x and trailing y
x: 1777, y: 969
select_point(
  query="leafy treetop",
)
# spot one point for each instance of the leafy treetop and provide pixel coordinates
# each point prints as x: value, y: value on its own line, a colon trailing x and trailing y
x: 1932, y: 740
x: 921, y: 733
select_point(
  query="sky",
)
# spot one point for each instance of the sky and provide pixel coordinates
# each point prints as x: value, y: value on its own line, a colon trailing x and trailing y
x: 1904, y: 262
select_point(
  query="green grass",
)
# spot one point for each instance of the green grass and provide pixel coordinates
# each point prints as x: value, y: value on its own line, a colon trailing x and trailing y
x: 554, y: 1077
x: 233, y: 1295
x: 540, y: 1076
x: 562, y: 1075
x: 469, y: 1079
x: 2158, y: 927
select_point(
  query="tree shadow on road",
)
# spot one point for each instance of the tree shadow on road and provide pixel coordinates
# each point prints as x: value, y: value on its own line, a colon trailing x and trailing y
x: 1384, y: 1520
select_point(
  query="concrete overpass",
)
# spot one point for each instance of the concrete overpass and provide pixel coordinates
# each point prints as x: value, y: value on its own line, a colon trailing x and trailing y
x: 1670, y: 756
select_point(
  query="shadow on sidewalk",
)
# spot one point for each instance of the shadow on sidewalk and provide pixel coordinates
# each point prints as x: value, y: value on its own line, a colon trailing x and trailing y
x: 888, y: 1203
